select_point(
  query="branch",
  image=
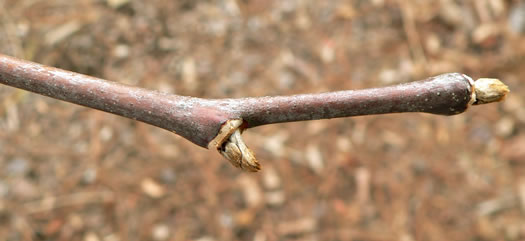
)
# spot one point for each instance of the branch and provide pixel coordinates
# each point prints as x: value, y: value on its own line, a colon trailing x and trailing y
x: 218, y: 123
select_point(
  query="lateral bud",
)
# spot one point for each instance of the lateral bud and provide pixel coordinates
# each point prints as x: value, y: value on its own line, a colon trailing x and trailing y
x: 231, y: 146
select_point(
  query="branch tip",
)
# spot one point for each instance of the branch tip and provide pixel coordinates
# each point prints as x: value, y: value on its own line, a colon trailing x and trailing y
x: 489, y: 90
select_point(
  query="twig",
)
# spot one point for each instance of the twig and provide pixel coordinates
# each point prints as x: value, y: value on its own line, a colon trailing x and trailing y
x: 202, y: 121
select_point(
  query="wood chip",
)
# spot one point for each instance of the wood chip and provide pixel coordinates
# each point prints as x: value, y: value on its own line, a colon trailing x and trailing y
x: 152, y: 188
x: 271, y: 179
x: 276, y: 143
x: 362, y: 178
x: 251, y: 191
x: 296, y: 227
x: 275, y: 198
x: 116, y: 3
x: 61, y: 33
x: 315, y: 158
x: 189, y: 73
x: 91, y: 237
x: 160, y: 232
x: 505, y: 126
x: 497, y: 204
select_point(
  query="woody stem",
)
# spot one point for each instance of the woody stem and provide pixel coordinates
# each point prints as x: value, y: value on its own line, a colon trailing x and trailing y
x: 199, y: 120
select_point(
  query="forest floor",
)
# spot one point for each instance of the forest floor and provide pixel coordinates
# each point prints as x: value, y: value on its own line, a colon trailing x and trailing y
x: 73, y: 173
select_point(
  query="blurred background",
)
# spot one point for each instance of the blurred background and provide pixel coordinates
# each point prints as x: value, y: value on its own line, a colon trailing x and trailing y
x: 73, y: 173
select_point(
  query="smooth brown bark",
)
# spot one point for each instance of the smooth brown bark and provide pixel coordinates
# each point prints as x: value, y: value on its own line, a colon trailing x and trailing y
x: 199, y: 120
x: 189, y: 117
x: 446, y: 94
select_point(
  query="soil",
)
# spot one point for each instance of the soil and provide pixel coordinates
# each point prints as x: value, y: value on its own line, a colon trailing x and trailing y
x: 73, y: 173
